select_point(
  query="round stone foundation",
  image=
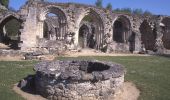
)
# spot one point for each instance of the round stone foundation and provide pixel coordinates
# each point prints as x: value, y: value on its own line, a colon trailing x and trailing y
x: 78, y: 80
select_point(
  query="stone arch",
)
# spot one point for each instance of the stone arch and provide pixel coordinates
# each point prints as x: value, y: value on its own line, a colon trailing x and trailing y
x: 148, y: 36
x: 4, y: 37
x: 166, y: 32
x: 97, y: 26
x: 83, y: 32
x: 62, y: 29
x: 9, y: 15
x: 121, y: 29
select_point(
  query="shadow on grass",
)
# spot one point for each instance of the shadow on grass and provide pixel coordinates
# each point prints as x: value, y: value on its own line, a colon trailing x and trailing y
x: 28, y: 84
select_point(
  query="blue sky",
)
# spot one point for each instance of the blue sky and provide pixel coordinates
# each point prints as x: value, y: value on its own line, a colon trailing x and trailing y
x: 155, y: 6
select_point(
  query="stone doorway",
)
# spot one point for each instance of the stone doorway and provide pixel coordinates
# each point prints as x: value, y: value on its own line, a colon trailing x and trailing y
x: 92, y: 32
x: 166, y: 33
x: 121, y: 30
x: 87, y: 36
x: 123, y: 36
x: 10, y: 33
x: 54, y: 24
x: 148, y: 36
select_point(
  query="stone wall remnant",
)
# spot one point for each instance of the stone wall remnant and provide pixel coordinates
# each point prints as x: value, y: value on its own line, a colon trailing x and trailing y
x: 78, y: 79
x: 110, y: 31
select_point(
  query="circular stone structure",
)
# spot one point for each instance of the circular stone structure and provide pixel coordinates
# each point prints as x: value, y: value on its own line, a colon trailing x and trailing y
x: 78, y: 79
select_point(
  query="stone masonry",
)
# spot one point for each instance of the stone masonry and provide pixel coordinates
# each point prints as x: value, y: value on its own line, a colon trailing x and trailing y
x: 86, y: 26
x: 78, y: 80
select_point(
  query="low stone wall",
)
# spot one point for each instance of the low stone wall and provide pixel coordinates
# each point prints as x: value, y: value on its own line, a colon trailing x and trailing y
x: 11, y: 53
x: 78, y: 80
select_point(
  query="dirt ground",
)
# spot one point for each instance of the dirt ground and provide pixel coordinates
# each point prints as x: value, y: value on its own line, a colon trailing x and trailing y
x: 10, y: 58
x: 128, y: 92
x: 92, y: 52
x: 86, y: 52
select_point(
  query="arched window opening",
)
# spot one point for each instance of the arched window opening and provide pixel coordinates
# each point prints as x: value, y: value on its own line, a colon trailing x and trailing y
x: 10, y: 33
x: 83, y: 36
x: 166, y: 33
x: 148, y: 36
x: 52, y: 28
x: 55, y: 24
x: 91, y: 33
x: 121, y: 30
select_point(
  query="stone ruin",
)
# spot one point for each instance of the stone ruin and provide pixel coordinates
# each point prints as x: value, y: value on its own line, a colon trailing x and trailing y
x: 49, y: 26
x: 78, y: 80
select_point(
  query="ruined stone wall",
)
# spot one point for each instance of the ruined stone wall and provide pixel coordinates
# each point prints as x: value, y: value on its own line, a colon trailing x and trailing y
x: 33, y: 15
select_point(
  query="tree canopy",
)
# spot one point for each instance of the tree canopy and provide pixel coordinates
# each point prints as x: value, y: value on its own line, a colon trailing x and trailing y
x: 109, y: 6
x: 4, y: 3
x: 138, y: 11
x: 99, y: 3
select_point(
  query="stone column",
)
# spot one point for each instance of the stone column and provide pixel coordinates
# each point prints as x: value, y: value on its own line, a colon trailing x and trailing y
x: 159, y: 43
x: 76, y: 37
x: 29, y: 35
x: 40, y: 29
x: 137, y: 41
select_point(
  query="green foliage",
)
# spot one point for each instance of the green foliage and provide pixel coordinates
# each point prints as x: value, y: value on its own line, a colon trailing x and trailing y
x: 138, y: 11
x: 99, y: 3
x: 109, y: 6
x: 127, y: 10
x: 134, y: 11
x: 10, y: 74
x: 124, y: 10
x: 4, y: 3
x: 147, y: 13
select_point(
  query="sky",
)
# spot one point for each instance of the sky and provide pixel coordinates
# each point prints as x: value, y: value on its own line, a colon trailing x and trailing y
x: 158, y: 7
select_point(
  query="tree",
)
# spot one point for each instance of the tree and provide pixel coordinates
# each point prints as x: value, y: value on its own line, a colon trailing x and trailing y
x: 4, y: 3
x: 138, y: 11
x: 126, y: 10
x: 147, y: 13
x: 99, y: 3
x: 109, y: 6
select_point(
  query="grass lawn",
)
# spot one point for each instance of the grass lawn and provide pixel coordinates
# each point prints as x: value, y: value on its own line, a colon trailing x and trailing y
x: 150, y: 74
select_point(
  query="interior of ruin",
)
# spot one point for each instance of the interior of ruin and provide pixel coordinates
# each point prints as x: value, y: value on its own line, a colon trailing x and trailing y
x: 91, y: 31
x: 121, y: 30
x: 10, y: 36
x: 55, y: 24
x: 148, y: 36
x: 166, y: 33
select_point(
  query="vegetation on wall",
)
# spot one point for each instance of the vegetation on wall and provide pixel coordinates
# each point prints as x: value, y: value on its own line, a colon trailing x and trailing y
x: 4, y: 3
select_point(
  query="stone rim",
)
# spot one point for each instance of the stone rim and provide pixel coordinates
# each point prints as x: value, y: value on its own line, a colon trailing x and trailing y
x: 78, y: 71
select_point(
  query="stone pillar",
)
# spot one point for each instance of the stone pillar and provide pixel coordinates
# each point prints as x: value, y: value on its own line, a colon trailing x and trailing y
x: 28, y: 34
x: 40, y: 29
x: 76, y: 37
x: 159, y: 43
x: 137, y: 41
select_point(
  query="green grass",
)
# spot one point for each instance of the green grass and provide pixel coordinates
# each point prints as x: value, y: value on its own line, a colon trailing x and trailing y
x: 150, y: 74
x: 11, y: 73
